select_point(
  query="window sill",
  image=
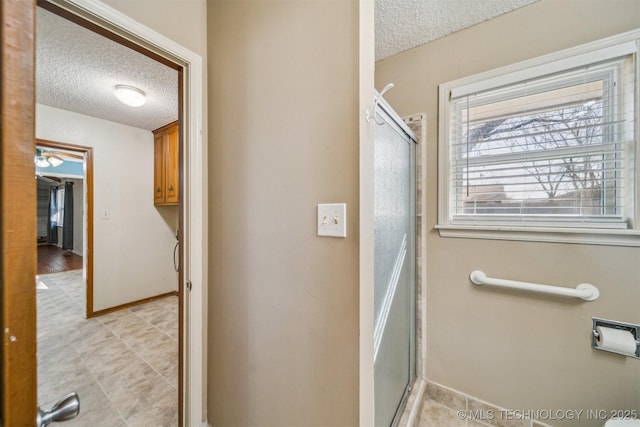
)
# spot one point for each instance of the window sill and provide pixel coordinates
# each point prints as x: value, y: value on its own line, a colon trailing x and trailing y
x: 584, y: 236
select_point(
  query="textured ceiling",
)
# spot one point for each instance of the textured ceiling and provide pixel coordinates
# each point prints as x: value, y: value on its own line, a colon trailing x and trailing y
x: 404, y: 24
x: 77, y: 70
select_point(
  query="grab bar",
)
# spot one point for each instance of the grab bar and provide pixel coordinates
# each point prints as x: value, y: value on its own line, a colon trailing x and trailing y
x: 584, y: 291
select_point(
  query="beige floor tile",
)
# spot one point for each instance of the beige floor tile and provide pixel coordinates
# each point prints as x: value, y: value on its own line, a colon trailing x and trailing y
x: 166, y: 321
x: 144, y: 339
x: 128, y: 371
x: 96, y: 410
x: 162, y: 414
x: 161, y: 354
x: 436, y: 415
x: 128, y: 326
x: 171, y: 374
x: 142, y: 396
x: 61, y: 378
x: 107, y: 360
x: 446, y: 397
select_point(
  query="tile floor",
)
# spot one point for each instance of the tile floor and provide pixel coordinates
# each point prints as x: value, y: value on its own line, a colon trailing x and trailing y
x: 435, y: 415
x: 446, y: 407
x: 124, y: 365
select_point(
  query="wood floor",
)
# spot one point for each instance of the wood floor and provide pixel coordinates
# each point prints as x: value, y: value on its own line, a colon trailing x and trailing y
x: 52, y: 259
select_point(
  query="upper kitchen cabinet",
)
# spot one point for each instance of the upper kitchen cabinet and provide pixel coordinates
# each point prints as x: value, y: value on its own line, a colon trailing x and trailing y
x: 166, y: 166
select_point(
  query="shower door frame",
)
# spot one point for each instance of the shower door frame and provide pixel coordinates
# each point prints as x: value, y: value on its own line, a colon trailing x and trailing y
x: 390, y: 117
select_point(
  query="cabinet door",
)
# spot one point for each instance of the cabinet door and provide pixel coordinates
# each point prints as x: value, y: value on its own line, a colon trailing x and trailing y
x: 171, y: 166
x: 158, y: 168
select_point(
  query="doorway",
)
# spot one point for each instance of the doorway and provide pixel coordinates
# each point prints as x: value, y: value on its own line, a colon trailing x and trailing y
x: 81, y: 169
x: 61, y: 193
x: 18, y: 255
x: 132, y: 286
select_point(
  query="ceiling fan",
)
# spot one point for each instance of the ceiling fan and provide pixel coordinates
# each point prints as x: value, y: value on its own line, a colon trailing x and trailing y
x: 53, y: 158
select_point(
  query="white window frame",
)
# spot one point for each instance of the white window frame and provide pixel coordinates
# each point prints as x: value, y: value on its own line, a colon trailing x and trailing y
x: 609, y: 48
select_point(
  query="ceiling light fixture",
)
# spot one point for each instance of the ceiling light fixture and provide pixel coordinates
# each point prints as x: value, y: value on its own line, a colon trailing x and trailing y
x: 54, y: 160
x: 42, y: 162
x: 129, y: 95
x: 46, y: 159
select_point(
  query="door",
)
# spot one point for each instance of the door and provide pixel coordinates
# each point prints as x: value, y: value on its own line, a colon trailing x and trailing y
x: 18, y: 214
x: 394, y: 273
x: 18, y: 389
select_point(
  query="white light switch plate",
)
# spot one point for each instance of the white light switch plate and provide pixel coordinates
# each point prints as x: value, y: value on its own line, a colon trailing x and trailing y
x: 332, y: 220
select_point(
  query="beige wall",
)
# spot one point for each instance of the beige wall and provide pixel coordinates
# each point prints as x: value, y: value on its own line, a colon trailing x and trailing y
x: 183, y: 21
x: 514, y: 350
x: 283, y: 303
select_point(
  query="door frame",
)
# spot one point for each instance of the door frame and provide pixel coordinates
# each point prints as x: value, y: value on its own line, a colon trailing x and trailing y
x: 87, y: 152
x: 17, y: 193
x: 114, y: 24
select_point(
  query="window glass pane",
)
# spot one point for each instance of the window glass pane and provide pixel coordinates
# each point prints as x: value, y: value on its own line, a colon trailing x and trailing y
x: 555, y: 146
x: 60, y: 206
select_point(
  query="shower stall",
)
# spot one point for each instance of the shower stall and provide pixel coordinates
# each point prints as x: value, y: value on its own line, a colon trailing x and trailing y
x: 395, y: 259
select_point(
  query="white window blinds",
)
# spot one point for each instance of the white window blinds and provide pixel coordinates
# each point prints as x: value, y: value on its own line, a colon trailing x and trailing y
x: 553, y: 150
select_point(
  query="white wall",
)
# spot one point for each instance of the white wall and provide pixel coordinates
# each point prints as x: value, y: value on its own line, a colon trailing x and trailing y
x: 133, y: 249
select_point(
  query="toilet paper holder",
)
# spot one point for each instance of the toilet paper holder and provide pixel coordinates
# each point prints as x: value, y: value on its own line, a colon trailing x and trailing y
x: 630, y: 327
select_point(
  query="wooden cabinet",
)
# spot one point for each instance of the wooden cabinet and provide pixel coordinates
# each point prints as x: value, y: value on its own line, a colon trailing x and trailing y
x: 166, y: 168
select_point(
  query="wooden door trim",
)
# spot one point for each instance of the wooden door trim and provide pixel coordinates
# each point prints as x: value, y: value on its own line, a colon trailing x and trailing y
x: 88, y: 176
x: 18, y: 214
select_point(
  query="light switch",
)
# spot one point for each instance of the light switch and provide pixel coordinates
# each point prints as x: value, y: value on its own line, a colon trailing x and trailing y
x: 332, y: 220
x: 106, y: 214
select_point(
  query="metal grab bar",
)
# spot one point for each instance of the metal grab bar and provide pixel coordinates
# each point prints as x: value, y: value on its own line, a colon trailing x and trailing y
x: 583, y: 291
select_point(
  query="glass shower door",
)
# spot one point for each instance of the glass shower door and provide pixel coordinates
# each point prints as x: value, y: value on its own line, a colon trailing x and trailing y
x: 394, y: 275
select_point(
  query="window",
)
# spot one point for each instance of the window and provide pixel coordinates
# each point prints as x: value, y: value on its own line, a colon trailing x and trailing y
x: 60, y: 206
x: 542, y: 150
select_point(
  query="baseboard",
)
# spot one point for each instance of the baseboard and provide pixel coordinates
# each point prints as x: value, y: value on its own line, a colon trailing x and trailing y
x: 131, y: 304
x: 418, y: 402
x: 413, y: 406
x: 471, y: 407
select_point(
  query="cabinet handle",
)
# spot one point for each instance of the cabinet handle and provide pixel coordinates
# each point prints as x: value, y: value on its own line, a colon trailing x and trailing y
x: 171, y: 187
x: 158, y: 190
